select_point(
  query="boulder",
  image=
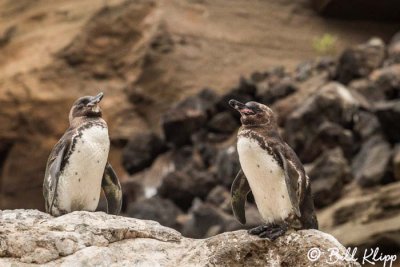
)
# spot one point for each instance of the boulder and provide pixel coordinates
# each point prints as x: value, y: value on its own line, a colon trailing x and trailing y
x: 228, y: 165
x: 245, y: 91
x: 366, y: 218
x: 141, y: 151
x: 181, y: 121
x: 277, y: 91
x: 367, y: 88
x: 329, y: 135
x: 332, y: 103
x: 396, y: 162
x: 394, y: 50
x: 207, y: 220
x: 365, y: 124
x: 369, y: 166
x: 304, y: 70
x: 220, y: 197
x: 132, y: 190
x: 223, y: 122
x: 387, y: 81
x: 182, y: 187
x: 328, y: 175
x: 388, y: 114
x: 97, y: 239
x: 157, y: 209
x: 360, y: 60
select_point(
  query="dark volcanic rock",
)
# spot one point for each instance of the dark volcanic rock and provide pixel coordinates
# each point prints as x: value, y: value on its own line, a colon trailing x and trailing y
x: 278, y: 91
x: 394, y: 50
x: 208, y: 220
x: 244, y: 92
x: 181, y: 121
x: 396, y: 162
x: 368, y: 89
x: 328, y: 174
x: 370, y: 164
x: 387, y: 80
x: 329, y: 135
x: 141, y: 151
x: 182, y: 157
x: 361, y: 60
x: 332, y: 103
x: 220, y: 197
x: 228, y: 165
x: 389, y: 116
x: 304, y: 70
x: 131, y: 191
x: 157, y: 209
x: 182, y: 187
x: 366, y: 124
x: 223, y: 122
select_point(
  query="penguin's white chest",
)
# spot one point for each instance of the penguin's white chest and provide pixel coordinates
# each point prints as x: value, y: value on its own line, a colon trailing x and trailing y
x: 80, y: 182
x: 266, y: 179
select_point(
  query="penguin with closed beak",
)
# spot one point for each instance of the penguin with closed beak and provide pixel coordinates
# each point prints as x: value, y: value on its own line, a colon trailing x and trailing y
x: 271, y: 170
x: 77, y: 169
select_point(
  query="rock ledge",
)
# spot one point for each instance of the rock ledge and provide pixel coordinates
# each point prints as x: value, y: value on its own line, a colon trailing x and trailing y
x: 97, y: 239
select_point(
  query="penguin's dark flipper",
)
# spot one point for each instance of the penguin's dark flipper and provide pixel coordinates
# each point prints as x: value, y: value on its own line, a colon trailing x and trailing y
x: 293, y: 180
x: 112, y: 190
x: 239, y: 190
x: 52, y: 174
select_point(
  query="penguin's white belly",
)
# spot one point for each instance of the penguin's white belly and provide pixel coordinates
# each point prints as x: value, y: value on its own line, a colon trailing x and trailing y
x: 266, y: 179
x: 80, y: 181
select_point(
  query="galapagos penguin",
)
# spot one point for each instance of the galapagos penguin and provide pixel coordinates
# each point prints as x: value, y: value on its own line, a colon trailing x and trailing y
x: 77, y: 169
x: 274, y: 174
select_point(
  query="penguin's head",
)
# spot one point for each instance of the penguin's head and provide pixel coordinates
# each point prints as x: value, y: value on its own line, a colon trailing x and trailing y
x: 86, y: 106
x: 253, y: 113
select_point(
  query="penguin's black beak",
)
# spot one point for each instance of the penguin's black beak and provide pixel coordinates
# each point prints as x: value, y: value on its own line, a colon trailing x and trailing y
x: 95, y: 100
x: 242, y: 108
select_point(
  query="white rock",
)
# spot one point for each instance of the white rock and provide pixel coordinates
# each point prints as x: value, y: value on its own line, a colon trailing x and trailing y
x: 97, y: 239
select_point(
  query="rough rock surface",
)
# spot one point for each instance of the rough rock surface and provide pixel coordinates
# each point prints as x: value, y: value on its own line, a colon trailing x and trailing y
x: 365, y: 218
x: 370, y: 164
x: 389, y: 114
x: 333, y: 103
x: 360, y: 61
x: 328, y: 175
x: 97, y: 239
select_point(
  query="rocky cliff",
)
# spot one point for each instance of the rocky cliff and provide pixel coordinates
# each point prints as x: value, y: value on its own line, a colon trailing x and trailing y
x: 97, y: 239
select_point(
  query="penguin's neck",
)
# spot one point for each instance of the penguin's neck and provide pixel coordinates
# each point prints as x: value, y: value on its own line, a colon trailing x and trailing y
x: 78, y: 121
x: 262, y: 130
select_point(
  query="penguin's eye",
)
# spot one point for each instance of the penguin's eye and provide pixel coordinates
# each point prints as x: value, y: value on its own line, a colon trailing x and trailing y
x: 83, y: 102
x: 253, y: 107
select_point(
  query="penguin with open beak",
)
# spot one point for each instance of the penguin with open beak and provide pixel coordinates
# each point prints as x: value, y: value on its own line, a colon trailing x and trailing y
x: 271, y: 170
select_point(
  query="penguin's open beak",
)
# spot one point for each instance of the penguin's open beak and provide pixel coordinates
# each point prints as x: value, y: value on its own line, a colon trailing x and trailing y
x: 242, y: 108
x: 95, y: 100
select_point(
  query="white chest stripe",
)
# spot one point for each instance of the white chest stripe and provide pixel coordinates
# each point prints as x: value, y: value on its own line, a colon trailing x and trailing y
x: 266, y: 180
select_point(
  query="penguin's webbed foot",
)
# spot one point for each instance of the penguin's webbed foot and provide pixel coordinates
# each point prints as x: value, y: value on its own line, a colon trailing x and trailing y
x: 260, y: 229
x: 270, y: 231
